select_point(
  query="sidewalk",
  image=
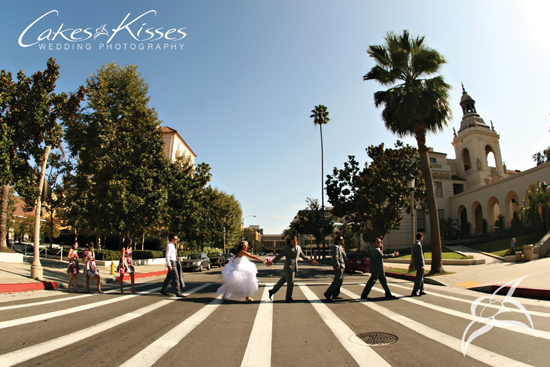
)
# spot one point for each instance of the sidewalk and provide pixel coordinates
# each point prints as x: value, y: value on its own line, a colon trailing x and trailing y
x: 15, y: 277
x: 488, y: 277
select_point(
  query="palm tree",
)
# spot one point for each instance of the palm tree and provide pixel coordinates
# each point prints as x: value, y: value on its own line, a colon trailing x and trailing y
x: 320, y: 117
x: 413, y: 105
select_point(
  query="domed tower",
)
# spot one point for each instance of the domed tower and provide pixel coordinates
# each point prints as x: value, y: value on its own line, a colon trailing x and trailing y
x: 477, y: 147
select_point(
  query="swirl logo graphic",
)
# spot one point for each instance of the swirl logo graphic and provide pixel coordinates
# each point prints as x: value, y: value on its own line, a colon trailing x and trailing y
x: 490, y: 322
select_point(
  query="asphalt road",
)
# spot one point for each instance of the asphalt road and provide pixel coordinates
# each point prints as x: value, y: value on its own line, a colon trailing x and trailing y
x: 53, y: 328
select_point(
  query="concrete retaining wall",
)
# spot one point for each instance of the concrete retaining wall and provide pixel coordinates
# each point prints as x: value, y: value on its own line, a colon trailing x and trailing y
x: 6, y: 257
x: 445, y: 261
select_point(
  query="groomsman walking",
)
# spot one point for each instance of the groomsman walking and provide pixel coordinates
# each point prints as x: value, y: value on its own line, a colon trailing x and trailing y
x: 174, y: 268
x: 376, y: 266
x: 339, y: 266
x: 418, y: 259
x: 291, y: 253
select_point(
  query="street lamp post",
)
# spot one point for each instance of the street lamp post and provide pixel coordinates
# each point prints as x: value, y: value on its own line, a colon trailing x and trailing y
x: 410, y: 185
x: 243, y: 224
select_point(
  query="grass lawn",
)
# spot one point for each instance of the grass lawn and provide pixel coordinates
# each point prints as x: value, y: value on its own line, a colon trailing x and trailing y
x: 447, y: 254
x: 500, y: 247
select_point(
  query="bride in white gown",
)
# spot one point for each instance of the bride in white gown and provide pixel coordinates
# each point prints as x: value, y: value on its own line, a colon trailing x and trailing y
x: 239, y: 276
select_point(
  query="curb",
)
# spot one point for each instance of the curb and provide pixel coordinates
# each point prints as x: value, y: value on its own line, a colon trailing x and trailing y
x: 532, y: 293
x: 26, y: 287
x: 113, y: 279
x: 427, y: 280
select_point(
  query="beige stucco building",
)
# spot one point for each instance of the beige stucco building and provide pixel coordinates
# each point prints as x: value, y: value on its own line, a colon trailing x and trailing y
x: 474, y: 186
x: 175, y: 146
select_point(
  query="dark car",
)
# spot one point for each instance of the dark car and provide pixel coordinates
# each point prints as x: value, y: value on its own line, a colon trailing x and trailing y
x: 356, y: 262
x: 228, y: 257
x: 217, y: 258
x: 198, y: 261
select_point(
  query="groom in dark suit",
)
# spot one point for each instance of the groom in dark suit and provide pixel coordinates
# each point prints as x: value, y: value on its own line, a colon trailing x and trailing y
x: 291, y: 253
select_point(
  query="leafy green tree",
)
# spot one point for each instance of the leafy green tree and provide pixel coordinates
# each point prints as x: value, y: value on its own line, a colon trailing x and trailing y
x: 29, y: 110
x: 449, y: 228
x: 542, y: 157
x: 120, y: 182
x: 535, y: 211
x: 313, y: 221
x: 350, y: 236
x: 187, y: 209
x: 415, y: 104
x: 372, y: 198
x: 226, y: 214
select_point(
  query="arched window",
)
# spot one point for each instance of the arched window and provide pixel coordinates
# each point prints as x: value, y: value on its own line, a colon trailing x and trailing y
x: 490, y: 156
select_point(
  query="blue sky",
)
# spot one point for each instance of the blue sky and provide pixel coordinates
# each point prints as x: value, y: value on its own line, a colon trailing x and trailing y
x: 240, y: 86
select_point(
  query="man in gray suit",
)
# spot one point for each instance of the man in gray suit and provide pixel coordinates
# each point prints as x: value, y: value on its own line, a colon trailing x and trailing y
x: 339, y: 266
x: 291, y: 253
x: 418, y: 259
x: 376, y: 267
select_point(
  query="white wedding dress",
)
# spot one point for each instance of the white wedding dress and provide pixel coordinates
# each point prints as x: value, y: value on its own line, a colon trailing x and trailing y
x: 239, y: 276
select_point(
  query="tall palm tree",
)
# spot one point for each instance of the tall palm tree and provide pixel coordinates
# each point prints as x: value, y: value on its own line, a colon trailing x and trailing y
x: 320, y: 117
x: 415, y: 104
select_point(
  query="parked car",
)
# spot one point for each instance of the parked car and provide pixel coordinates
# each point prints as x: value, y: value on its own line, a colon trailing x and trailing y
x: 217, y: 258
x: 356, y: 262
x: 228, y: 257
x: 198, y: 261
x: 263, y: 253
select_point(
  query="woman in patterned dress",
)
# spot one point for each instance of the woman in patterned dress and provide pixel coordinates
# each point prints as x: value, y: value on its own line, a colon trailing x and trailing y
x: 91, y: 269
x: 125, y: 264
x: 73, y: 268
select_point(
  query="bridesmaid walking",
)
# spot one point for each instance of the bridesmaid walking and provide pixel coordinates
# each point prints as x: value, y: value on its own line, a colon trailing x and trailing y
x: 73, y: 268
x: 125, y: 264
x: 91, y: 269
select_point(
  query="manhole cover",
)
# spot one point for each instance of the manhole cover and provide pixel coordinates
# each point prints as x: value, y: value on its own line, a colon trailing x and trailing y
x: 378, y: 338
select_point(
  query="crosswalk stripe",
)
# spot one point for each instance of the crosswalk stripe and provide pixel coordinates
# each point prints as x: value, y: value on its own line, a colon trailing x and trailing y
x: 480, y: 354
x: 532, y: 313
x: 50, y: 315
x: 25, y: 354
x: 359, y: 350
x: 497, y: 323
x: 258, y: 350
x: 41, y: 303
x: 161, y: 346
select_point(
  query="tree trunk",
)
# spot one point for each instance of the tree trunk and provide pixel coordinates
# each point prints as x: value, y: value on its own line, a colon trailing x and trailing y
x: 437, y: 263
x: 4, y: 215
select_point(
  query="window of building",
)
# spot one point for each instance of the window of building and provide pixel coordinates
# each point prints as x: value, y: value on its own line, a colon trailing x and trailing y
x: 438, y: 189
x: 458, y: 188
x: 433, y: 160
x: 420, y: 220
x: 441, y: 213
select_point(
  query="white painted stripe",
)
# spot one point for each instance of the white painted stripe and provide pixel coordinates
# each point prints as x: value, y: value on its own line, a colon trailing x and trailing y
x: 49, y: 315
x: 161, y: 346
x: 258, y: 350
x: 480, y: 354
x: 359, y: 350
x: 497, y: 323
x: 432, y: 293
x: 41, y: 303
x: 25, y: 354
